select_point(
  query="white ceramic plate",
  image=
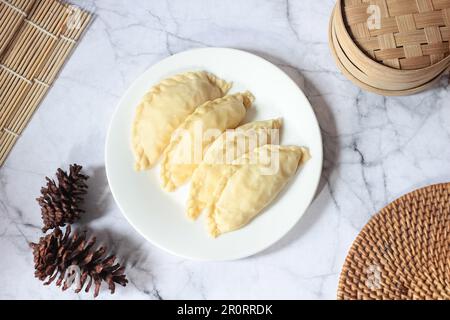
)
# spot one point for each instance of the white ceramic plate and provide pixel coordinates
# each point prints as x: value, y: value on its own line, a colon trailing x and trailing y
x: 160, y: 216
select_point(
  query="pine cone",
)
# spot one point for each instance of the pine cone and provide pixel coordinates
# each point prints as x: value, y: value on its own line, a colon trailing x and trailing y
x: 60, y: 201
x: 58, y: 254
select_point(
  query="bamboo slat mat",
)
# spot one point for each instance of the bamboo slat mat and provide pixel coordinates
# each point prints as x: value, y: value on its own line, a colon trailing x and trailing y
x: 36, y: 38
x: 404, y: 250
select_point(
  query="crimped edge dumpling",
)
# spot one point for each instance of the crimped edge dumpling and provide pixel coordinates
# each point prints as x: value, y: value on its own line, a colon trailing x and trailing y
x: 168, y: 182
x: 209, y: 168
x: 142, y: 161
x: 212, y: 226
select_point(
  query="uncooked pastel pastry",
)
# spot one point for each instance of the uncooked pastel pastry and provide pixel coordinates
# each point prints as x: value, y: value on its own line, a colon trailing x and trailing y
x: 191, y: 140
x: 165, y: 107
x: 251, y: 184
x: 231, y: 145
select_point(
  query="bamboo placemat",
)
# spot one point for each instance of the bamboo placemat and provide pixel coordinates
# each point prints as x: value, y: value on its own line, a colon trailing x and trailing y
x: 404, y: 250
x: 36, y: 38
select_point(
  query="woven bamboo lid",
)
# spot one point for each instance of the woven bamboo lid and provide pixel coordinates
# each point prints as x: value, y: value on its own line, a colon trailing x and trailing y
x: 386, y: 47
x: 403, y: 34
x: 404, y: 250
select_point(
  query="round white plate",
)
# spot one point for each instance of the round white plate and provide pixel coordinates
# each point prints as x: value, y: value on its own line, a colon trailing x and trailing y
x: 160, y: 216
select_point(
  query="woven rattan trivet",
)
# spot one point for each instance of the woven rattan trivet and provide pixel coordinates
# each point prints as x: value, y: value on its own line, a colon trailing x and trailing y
x: 36, y: 38
x: 404, y: 250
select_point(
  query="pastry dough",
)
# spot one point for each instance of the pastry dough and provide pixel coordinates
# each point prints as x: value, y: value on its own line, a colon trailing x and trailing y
x: 228, y: 147
x: 248, y: 186
x: 191, y: 140
x: 165, y: 107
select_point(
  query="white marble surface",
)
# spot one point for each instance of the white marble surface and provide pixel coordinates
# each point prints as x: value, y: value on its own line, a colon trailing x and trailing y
x: 376, y: 148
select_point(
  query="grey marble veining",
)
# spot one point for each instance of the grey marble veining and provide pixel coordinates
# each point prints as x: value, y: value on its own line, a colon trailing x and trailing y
x: 376, y: 149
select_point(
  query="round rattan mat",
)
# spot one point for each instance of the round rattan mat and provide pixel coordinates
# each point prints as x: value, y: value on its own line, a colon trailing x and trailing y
x: 404, y: 250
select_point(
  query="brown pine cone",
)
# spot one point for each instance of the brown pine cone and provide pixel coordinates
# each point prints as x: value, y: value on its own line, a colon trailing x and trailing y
x: 57, y: 255
x: 60, y: 201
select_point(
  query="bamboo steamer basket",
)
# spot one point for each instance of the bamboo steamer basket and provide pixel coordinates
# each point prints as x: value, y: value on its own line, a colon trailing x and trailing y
x: 406, y: 53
